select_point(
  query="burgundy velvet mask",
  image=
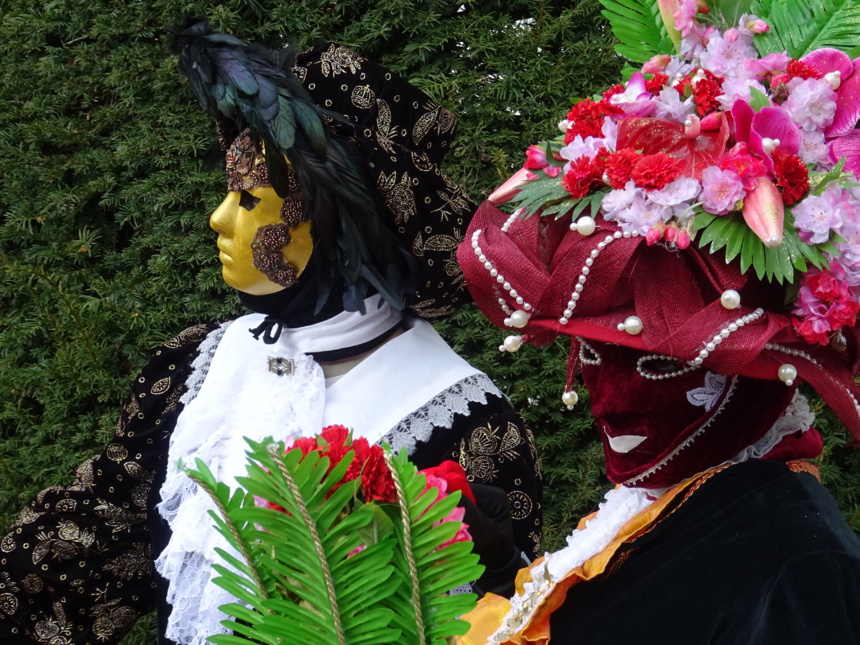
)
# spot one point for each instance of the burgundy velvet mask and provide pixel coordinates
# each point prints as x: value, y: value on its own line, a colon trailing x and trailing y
x: 657, y: 432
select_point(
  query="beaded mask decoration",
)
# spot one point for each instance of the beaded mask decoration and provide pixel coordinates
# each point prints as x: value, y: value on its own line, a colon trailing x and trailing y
x: 679, y: 212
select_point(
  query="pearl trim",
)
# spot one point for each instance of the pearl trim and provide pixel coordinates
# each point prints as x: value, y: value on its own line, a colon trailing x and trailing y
x: 688, y: 441
x: 654, y: 376
x: 711, y: 345
x: 586, y: 269
x: 498, y: 276
x: 585, y: 360
x: 511, y: 220
x: 801, y: 354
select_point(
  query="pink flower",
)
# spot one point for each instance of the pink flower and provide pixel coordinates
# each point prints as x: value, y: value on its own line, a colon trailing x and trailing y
x: 721, y: 190
x: 728, y: 58
x: 769, y: 65
x: 816, y: 215
x: 825, y: 304
x: 767, y: 126
x: 685, y: 16
x: 536, y: 160
x: 635, y: 99
x: 656, y: 64
x: 812, y: 104
x: 462, y: 534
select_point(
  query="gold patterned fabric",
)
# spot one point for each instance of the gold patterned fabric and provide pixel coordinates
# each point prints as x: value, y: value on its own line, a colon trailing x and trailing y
x: 77, y: 566
x: 403, y: 135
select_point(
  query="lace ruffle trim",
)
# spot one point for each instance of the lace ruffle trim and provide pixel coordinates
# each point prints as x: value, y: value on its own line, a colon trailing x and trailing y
x: 200, y: 365
x: 439, y: 411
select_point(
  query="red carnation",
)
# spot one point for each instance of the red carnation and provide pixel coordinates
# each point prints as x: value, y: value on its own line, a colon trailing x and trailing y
x: 791, y: 176
x: 619, y: 165
x: 586, y: 118
x: 581, y: 177
x: 376, y: 481
x: 705, y: 93
x: 612, y: 91
x: 799, y: 69
x: 653, y: 172
x: 656, y: 83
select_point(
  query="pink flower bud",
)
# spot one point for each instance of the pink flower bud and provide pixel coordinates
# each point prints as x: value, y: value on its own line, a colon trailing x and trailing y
x: 682, y: 239
x: 535, y: 158
x: 712, y: 122
x: 653, y: 236
x: 759, y: 27
x: 764, y: 212
x: 657, y: 64
x: 692, y: 126
x: 671, y: 231
x: 731, y: 35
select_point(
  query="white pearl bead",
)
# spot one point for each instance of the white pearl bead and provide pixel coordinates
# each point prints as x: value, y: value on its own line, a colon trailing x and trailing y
x: 482, y: 257
x: 585, y: 271
x: 787, y: 373
x: 620, y: 327
x: 488, y: 266
x: 500, y: 279
x: 588, y: 262
x: 509, y: 322
x: 570, y: 398
x: 733, y: 327
x: 519, y: 319
x: 730, y: 299
x: 494, y: 273
x: 513, y: 343
x: 710, y: 347
x: 563, y: 320
x: 586, y: 225
x: 633, y: 325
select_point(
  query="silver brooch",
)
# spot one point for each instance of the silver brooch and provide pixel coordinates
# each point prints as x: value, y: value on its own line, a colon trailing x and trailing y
x: 281, y: 366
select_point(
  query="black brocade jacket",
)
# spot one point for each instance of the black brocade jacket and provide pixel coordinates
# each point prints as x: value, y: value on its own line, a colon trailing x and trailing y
x: 77, y: 566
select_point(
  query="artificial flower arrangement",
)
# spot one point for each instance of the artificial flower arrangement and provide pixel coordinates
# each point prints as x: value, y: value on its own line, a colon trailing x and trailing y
x: 342, y: 542
x: 731, y: 143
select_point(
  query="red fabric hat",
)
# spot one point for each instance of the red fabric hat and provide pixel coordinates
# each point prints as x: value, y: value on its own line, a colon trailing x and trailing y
x: 543, y: 278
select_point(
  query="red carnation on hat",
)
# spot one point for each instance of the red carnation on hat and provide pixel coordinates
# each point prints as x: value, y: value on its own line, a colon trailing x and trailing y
x: 799, y: 69
x: 791, y: 175
x: 583, y: 174
x: 653, y: 172
x: 619, y: 166
x: 656, y: 83
x: 705, y: 93
x: 612, y: 91
x: 586, y: 118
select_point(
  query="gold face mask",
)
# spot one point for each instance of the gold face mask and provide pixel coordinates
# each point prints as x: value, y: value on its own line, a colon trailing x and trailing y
x: 264, y: 240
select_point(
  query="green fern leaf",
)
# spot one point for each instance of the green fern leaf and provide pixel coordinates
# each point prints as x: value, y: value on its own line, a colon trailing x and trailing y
x: 639, y: 28
x: 800, y: 26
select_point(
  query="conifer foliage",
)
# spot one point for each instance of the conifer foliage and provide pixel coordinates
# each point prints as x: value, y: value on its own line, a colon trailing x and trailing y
x: 104, y: 246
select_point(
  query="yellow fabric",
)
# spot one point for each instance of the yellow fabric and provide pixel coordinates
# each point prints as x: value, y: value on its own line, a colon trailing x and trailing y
x: 487, y: 617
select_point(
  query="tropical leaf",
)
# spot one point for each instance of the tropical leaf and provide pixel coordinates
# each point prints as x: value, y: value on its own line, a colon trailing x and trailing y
x: 297, y: 575
x: 639, y: 28
x: 800, y: 26
x: 730, y: 234
x: 433, y: 571
x: 542, y: 192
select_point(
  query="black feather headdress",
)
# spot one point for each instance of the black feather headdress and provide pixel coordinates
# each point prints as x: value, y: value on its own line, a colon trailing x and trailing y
x: 364, y: 147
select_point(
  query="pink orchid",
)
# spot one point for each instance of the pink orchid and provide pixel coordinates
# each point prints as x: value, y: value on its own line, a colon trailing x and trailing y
x: 837, y: 66
x: 769, y: 129
x: 847, y: 146
x: 635, y: 100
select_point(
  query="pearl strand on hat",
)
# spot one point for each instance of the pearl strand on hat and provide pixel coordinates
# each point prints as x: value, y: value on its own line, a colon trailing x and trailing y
x: 711, y: 345
x: 497, y: 275
x: 586, y: 269
x: 644, y: 373
x: 511, y: 220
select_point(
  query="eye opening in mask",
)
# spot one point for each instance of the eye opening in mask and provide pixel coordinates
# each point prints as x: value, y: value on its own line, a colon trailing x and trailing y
x: 656, y: 367
x: 587, y: 354
x: 248, y: 201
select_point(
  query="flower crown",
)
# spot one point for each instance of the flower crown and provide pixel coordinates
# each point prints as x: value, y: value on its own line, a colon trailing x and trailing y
x: 755, y: 156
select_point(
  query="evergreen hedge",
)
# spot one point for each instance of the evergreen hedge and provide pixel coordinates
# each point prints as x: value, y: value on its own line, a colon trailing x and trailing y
x: 104, y: 245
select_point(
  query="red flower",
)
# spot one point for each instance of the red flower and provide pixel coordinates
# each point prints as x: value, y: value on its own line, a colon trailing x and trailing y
x: 619, y: 166
x: 791, y: 176
x: 653, y: 172
x: 747, y: 167
x: 454, y: 475
x: 799, y: 69
x: 376, y: 481
x: 656, y: 83
x: 612, y: 91
x: 705, y: 93
x: 586, y: 118
x: 581, y: 177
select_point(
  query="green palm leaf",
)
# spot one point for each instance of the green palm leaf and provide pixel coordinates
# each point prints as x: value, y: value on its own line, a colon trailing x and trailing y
x: 639, y: 28
x: 800, y: 26
x: 427, y: 615
x: 296, y: 581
